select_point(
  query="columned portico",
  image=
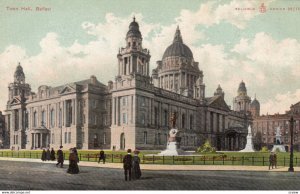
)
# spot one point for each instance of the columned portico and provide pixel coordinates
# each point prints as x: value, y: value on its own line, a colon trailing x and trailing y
x: 40, y: 138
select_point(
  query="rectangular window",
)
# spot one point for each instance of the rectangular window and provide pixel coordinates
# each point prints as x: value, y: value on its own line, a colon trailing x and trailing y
x: 159, y: 140
x: 166, y: 118
x: 69, y: 112
x: 17, y: 139
x: 145, y: 137
x: 69, y: 137
x: 16, y: 120
x: 104, y: 138
x: 60, y: 118
x: 124, y: 118
x: 52, y: 138
x: 124, y: 101
x: 52, y: 118
x: 66, y: 136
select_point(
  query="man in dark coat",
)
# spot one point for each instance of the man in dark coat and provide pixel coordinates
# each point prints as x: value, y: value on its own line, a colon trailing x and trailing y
x: 127, y: 164
x: 271, y: 160
x: 60, y: 157
x: 101, y: 157
x: 43, y: 155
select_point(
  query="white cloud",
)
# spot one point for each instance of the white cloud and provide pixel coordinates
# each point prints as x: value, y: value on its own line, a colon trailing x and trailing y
x: 265, y: 64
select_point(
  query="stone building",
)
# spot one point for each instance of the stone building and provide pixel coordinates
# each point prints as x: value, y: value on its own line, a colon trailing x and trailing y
x: 4, y: 133
x: 134, y: 110
x: 264, y: 128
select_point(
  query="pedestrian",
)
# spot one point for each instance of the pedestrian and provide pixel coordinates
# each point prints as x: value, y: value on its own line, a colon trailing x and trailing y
x: 76, y: 154
x: 127, y: 164
x: 136, y: 170
x: 48, y: 154
x: 52, y: 154
x: 44, y: 155
x: 73, y: 166
x: 271, y: 160
x: 101, y: 157
x: 275, y: 160
x: 60, y: 157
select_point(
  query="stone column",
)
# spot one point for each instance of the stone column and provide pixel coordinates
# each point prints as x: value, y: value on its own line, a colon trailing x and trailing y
x: 117, y: 111
x: 41, y: 140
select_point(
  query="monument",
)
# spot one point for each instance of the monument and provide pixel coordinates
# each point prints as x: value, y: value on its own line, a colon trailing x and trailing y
x: 278, y: 144
x: 173, y: 146
x: 249, y: 144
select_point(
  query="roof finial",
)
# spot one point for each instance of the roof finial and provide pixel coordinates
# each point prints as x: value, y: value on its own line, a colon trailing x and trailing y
x: 134, y: 18
x: 177, y: 37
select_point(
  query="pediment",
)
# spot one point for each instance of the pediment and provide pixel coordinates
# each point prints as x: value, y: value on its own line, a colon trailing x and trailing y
x: 67, y: 89
x: 15, y: 101
x: 219, y: 103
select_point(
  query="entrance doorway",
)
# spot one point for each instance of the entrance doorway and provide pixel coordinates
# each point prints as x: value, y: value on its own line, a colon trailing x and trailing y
x: 122, y: 141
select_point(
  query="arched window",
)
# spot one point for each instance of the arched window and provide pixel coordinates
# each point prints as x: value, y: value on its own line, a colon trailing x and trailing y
x: 34, y: 119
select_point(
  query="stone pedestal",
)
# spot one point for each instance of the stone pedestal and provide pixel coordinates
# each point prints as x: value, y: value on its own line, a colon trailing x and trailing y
x: 249, y: 144
x: 173, y: 149
x: 281, y: 148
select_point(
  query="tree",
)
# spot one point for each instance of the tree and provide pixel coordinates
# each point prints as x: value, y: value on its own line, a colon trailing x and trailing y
x: 257, y: 141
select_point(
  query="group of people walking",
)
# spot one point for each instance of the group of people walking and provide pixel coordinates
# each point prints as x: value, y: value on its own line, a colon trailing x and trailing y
x: 273, y: 160
x: 48, y: 155
x: 131, y: 164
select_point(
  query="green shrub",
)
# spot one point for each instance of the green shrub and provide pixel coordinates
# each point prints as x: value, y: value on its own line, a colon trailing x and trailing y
x: 206, y: 148
x: 264, y: 149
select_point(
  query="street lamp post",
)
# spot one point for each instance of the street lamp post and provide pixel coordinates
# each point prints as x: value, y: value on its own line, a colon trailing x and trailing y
x: 291, y: 168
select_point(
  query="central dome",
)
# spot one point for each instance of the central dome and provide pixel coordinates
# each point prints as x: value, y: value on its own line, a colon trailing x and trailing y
x: 177, y: 48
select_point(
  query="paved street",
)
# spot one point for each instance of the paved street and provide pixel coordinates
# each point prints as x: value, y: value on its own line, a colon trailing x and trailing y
x: 44, y: 176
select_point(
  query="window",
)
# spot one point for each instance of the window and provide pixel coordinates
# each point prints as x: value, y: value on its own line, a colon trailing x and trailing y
x: 52, y: 138
x: 155, y: 116
x: 124, y: 101
x: 104, y: 138
x: 34, y: 119
x: 191, y: 121
x: 43, y: 118
x: 143, y: 118
x: 95, y: 119
x: 183, y: 121
x: 17, y: 139
x: 16, y: 120
x: 60, y: 118
x: 166, y: 118
x: 145, y: 137
x: 159, y: 140
x: 142, y: 101
x: 69, y: 137
x: 66, y: 137
x: 68, y: 113
x: 124, y: 118
x: 52, y: 118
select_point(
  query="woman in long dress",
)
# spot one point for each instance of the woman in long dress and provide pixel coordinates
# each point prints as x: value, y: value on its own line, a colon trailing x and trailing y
x: 52, y: 154
x: 48, y: 154
x: 136, y: 171
x: 43, y: 158
x: 73, y: 166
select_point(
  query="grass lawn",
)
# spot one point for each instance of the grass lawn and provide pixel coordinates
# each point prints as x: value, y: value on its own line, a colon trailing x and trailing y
x: 220, y: 158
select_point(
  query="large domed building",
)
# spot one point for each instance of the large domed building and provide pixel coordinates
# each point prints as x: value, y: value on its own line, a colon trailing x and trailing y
x: 132, y: 111
x: 177, y: 71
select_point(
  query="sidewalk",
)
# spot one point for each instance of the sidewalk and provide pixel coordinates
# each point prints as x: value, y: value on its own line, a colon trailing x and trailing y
x: 164, y: 167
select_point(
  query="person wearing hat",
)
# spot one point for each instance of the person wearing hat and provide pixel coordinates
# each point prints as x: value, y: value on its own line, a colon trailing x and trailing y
x: 73, y: 166
x: 271, y: 160
x: 60, y: 157
x: 136, y: 170
x: 101, y: 157
x: 127, y: 164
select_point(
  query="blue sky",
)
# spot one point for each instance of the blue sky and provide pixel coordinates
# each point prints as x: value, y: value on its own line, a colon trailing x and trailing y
x: 79, y: 38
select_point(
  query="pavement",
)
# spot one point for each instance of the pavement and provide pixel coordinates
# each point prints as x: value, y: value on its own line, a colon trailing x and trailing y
x: 158, y: 167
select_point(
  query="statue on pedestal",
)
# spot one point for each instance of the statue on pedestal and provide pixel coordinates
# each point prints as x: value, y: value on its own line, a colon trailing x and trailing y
x: 174, y: 133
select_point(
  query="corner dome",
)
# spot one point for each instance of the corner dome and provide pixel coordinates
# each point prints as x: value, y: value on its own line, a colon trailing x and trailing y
x: 255, y: 103
x: 134, y: 29
x: 242, y: 87
x: 178, y: 48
